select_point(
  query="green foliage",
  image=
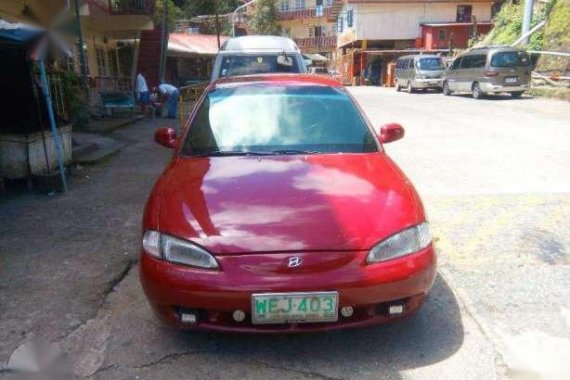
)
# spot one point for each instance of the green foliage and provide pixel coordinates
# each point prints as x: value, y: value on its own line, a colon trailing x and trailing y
x: 557, y: 38
x: 508, y: 25
x: 174, y: 13
x: 75, y: 94
x: 265, y: 18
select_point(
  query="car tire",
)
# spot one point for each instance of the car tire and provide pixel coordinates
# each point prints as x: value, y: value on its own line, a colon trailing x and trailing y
x: 516, y: 94
x: 398, y: 88
x: 411, y: 90
x: 476, y: 91
x: 445, y: 89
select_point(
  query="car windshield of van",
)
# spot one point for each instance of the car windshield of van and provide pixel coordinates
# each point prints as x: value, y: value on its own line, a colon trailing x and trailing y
x: 277, y: 119
x: 430, y: 64
x: 258, y: 64
x: 510, y: 59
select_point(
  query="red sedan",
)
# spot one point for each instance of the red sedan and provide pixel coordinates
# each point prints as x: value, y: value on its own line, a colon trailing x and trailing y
x: 281, y: 212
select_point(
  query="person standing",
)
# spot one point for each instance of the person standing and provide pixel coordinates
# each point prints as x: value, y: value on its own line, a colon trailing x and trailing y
x: 171, y: 94
x: 143, y: 95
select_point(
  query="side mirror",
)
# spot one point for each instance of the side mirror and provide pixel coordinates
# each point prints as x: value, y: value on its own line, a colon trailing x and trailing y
x: 166, y: 137
x: 391, y: 132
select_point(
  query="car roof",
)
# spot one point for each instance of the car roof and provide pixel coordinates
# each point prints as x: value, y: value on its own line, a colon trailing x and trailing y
x: 486, y: 49
x: 420, y: 56
x: 260, y: 43
x: 269, y: 79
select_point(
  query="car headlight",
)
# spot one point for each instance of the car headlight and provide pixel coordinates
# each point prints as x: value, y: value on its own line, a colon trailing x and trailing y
x: 403, y: 243
x: 177, y: 250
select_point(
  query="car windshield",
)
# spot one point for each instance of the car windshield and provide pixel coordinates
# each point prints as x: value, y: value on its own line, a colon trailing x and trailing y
x: 278, y: 119
x: 510, y: 59
x: 430, y: 64
x: 258, y: 64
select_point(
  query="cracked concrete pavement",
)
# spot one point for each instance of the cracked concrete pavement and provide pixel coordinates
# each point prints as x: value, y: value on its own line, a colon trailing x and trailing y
x: 495, y: 181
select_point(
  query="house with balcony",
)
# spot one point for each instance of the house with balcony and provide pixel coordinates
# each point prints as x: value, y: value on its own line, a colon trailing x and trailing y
x: 374, y: 33
x: 110, y: 33
x: 307, y: 23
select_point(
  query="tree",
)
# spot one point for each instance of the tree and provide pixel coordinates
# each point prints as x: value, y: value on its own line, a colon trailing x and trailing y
x: 265, y: 18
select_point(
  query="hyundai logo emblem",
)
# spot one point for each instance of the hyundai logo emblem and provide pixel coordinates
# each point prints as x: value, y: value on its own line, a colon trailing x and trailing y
x: 294, y: 261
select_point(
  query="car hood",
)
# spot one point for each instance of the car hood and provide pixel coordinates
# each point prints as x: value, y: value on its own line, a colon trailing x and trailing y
x: 286, y: 203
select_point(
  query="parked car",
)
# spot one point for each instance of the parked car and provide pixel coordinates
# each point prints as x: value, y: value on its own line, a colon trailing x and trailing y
x: 258, y: 55
x: 280, y: 211
x: 489, y: 70
x: 419, y: 72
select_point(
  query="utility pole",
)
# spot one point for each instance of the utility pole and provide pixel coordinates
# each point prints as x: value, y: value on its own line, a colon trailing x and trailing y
x: 527, y: 19
x: 164, y: 50
x: 217, y: 22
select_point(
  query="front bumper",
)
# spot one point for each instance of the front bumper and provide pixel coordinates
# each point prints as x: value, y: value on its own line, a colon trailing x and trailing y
x: 215, y: 295
x: 428, y: 83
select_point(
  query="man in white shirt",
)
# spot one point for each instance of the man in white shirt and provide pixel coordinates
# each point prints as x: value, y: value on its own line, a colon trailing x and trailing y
x: 171, y: 94
x: 142, y: 92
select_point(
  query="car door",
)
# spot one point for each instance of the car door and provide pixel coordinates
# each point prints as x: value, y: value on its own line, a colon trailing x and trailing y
x: 464, y: 79
x: 452, y: 73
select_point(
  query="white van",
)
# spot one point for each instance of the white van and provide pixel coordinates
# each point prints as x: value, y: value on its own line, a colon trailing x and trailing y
x: 258, y: 55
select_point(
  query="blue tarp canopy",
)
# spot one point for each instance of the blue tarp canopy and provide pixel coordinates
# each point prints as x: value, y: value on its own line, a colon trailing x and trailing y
x: 19, y: 34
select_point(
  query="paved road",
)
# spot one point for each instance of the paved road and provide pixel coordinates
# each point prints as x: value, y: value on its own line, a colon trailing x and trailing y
x: 495, y: 179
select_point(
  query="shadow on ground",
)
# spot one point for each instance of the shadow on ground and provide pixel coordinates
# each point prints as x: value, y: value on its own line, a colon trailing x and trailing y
x: 143, y: 347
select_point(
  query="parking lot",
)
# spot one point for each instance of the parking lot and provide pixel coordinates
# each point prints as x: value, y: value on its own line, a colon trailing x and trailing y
x: 494, y: 175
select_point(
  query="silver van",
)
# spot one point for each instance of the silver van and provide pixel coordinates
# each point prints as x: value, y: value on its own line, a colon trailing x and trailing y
x: 258, y: 55
x: 419, y: 71
x: 489, y: 70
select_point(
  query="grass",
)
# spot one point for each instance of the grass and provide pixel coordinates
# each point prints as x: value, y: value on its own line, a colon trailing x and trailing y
x: 551, y: 92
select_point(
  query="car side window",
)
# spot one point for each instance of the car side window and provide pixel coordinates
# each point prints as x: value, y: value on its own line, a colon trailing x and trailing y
x: 411, y: 63
x: 467, y: 62
x: 478, y: 61
x: 456, y: 63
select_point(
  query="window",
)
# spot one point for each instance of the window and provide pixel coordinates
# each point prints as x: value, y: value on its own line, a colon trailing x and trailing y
x: 473, y: 61
x: 510, y: 59
x: 441, y: 35
x: 340, y: 25
x: 349, y: 18
x: 329, y: 3
x: 299, y: 4
x: 464, y: 13
x: 254, y: 64
x: 284, y: 5
x: 268, y: 118
x: 112, y: 62
x: 101, y: 65
x: 456, y: 63
x: 319, y: 31
x: 431, y: 63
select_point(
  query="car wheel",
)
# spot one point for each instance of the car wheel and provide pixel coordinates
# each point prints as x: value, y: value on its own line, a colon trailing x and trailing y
x: 477, y: 93
x: 516, y: 94
x: 446, y: 91
x: 411, y: 90
x: 398, y: 88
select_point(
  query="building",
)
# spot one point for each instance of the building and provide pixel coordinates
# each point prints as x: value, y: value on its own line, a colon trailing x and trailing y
x: 109, y: 33
x: 374, y: 33
x: 307, y: 23
x: 109, y: 29
x: 191, y: 57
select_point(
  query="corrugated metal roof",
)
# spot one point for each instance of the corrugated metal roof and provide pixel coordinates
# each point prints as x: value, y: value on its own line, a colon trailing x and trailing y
x: 193, y: 44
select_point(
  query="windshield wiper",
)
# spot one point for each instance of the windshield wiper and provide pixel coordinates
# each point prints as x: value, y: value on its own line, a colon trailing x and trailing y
x: 293, y: 151
x: 223, y: 153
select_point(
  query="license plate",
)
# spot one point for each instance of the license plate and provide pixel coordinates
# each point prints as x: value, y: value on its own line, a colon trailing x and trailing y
x: 267, y: 308
x: 511, y: 80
